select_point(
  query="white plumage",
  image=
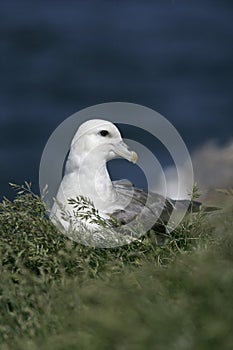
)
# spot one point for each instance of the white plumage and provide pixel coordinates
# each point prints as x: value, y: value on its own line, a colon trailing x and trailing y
x: 96, y: 142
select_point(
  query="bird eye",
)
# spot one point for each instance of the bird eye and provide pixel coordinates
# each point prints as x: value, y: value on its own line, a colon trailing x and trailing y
x: 104, y: 132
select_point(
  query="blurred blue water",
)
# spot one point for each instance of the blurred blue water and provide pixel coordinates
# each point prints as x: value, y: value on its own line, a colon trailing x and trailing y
x: 58, y: 57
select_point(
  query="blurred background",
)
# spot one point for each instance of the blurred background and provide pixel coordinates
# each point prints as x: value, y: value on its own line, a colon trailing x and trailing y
x: 57, y: 57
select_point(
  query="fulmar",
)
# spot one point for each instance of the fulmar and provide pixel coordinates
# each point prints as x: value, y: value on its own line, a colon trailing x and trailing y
x: 119, y: 202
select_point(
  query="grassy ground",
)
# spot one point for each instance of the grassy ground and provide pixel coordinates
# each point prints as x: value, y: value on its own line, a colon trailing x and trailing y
x: 57, y: 294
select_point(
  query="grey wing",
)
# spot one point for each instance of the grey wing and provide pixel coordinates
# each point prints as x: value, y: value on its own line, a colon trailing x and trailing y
x: 151, y: 207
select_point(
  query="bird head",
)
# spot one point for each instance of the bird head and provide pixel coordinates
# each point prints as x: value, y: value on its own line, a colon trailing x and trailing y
x: 102, y: 138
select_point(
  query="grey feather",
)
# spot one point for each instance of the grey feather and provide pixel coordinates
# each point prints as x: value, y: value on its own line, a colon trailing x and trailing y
x: 154, y: 206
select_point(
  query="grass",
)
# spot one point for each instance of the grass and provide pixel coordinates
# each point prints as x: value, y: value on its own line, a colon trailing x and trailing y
x: 58, y: 294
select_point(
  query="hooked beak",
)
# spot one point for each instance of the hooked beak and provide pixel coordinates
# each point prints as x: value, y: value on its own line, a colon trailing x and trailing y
x: 122, y: 150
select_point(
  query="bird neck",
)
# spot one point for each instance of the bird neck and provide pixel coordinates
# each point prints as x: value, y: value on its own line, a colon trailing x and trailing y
x: 91, y: 179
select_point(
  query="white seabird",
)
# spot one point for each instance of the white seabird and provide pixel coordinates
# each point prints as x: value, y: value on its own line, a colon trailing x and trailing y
x: 94, y: 144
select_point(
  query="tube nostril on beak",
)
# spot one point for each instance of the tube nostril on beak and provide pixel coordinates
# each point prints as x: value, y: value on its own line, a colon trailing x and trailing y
x: 134, y: 157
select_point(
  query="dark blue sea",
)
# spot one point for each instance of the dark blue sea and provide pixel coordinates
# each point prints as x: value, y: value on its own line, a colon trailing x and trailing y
x: 57, y: 57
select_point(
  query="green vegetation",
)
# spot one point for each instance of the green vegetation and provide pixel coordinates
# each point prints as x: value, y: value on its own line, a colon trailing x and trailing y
x: 58, y: 294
